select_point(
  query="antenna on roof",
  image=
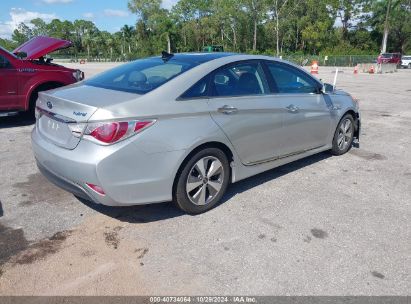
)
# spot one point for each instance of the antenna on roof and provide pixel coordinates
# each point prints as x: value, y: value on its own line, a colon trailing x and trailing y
x: 166, y: 56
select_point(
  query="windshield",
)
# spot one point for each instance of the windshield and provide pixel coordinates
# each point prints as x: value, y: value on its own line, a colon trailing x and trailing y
x: 140, y: 76
x: 387, y: 55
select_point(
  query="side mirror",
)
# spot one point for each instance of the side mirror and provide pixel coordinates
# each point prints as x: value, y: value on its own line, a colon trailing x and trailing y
x: 328, y: 88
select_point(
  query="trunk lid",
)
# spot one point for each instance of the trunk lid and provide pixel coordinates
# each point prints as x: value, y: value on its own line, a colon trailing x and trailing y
x: 73, y: 105
x: 40, y: 46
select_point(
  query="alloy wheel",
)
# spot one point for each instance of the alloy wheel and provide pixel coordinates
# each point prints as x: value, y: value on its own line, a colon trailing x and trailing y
x: 345, y: 134
x: 205, y: 180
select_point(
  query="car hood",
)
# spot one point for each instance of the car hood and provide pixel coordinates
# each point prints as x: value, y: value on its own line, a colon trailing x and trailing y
x: 41, y: 46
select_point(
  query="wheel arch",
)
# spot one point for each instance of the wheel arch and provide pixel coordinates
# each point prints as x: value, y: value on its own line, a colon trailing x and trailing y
x: 212, y: 144
x: 356, y: 118
x: 42, y: 86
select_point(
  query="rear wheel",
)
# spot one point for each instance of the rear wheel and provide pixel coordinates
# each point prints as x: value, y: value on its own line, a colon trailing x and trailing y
x: 409, y: 65
x: 203, y: 181
x: 344, y: 135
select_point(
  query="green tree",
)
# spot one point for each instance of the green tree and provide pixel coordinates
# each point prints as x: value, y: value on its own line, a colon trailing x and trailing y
x: 399, y: 24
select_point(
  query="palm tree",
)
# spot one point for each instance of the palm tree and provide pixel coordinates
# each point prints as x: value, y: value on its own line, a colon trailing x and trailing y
x: 128, y: 32
x: 86, y: 41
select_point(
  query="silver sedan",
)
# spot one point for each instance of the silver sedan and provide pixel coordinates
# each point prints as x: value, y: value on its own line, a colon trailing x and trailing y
x: 183, y: 127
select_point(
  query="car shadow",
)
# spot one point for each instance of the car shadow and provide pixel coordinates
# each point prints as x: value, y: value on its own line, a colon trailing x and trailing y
x: 20, y: 120
x: 262, y: 178
x: 137, y: 214
x: 162, y: 211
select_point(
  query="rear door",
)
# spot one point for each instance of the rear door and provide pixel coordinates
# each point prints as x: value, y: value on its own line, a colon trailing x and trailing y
x: 240, y: 103
x: 307, y: 118
x: 9, y: 98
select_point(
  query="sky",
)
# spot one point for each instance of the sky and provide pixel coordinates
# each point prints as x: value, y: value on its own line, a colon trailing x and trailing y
x: 109, y: 15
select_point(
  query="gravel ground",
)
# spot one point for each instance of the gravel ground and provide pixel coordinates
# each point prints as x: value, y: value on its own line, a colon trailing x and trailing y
x: 319, y: 226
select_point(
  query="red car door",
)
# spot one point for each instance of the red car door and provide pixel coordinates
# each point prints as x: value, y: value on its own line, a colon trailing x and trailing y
x: 9, y: 95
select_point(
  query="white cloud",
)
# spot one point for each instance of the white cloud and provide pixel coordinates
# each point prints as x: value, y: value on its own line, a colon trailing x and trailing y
x: 115, y: 13
x: 168, y: 4
x: 88, y: 15
x: 57, y: 1
x: 19, y: 15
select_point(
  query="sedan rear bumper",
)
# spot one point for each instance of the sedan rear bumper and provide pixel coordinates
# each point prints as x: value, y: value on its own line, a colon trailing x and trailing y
x: 65, y: 184
x: 127, y: 175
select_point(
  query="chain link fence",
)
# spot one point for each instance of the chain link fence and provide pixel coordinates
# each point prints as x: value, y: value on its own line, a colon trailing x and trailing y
x: 341, y: 61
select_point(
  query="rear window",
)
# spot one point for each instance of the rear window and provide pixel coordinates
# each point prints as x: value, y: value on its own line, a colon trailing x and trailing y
x: 140, y: 76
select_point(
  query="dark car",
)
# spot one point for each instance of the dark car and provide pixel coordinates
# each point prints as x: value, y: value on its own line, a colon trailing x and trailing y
x: 25, y: 72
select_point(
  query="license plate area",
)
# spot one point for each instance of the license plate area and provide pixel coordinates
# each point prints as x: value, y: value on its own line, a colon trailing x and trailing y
x: 57, y: 132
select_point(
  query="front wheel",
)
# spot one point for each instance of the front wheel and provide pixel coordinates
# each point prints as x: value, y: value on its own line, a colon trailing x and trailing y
x: 344, y: 135
x: 202, y: 181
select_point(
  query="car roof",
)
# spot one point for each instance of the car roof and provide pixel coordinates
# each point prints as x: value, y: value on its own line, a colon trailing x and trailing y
x: 198, y: 58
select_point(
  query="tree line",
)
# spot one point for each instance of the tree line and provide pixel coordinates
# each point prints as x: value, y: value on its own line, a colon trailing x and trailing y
x: 276, y: 27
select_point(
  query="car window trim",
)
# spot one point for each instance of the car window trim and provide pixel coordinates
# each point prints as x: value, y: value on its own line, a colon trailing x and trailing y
x: 180, y: 98
x: 272, y: 86
x: 210, y: 74
x: 318, y: 88
x: 228, y: 65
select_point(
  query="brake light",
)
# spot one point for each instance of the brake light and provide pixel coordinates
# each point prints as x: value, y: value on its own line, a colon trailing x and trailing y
x: 112, y: 132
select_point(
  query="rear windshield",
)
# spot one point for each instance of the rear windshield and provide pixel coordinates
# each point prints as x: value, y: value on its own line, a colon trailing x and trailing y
x: 140, y: 76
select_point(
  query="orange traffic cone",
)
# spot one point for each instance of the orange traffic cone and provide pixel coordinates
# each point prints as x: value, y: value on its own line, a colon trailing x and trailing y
x: 356, y: 69
x: 314, y: 67
x: 371, y: 70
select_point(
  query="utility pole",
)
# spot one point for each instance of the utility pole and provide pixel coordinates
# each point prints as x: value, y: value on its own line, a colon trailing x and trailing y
x: 386, y: 29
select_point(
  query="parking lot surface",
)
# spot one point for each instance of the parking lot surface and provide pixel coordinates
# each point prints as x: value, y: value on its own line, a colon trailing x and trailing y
x: 323, y: 225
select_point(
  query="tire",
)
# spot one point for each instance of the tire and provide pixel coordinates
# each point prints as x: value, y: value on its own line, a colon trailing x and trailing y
x: 196, y: 192
x: 343, y: 136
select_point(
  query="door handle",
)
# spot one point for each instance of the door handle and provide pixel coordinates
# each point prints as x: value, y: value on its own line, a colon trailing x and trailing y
x: 292, y: 108
x: 228, y: 109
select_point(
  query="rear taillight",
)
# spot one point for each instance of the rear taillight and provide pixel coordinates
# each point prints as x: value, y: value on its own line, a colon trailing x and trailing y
x: 111, y: 132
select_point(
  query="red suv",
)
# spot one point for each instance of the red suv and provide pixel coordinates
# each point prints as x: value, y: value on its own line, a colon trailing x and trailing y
x: 389, y: 58
x: 26, y: 71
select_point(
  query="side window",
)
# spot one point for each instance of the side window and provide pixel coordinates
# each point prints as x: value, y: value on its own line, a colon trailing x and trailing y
x: 290, y: 80
x: 239, y: 79
x: 4, y: 63
x: 198, y: 90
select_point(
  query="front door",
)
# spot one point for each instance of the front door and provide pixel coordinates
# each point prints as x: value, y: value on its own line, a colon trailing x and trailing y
x: 307, y: 119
